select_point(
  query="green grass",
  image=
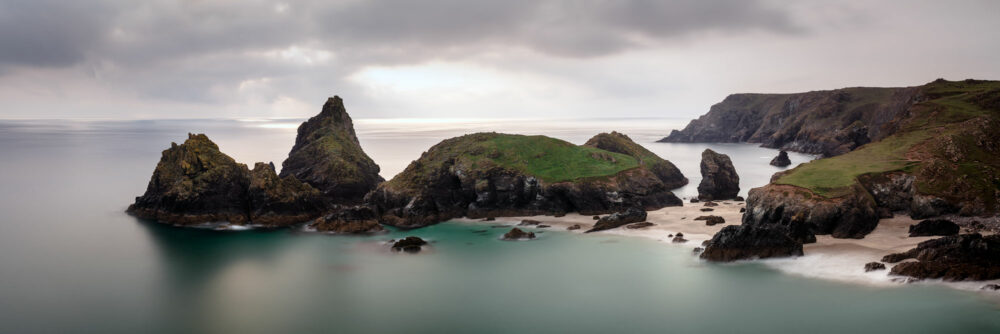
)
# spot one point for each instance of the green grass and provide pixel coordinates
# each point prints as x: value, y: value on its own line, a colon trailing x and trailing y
x: 549, y: 159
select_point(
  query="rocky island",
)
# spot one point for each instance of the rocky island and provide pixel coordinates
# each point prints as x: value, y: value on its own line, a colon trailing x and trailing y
x: 500, y: 175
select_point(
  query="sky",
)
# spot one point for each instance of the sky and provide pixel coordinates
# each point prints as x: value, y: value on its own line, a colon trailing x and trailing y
x: 245, y: 59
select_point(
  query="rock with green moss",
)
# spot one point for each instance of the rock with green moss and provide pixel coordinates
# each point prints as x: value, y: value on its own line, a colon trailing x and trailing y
x: 497, y: 175
x: 280, y: 201
x: 195, y: 183
x: 328, y: 156
x: 619, y: 143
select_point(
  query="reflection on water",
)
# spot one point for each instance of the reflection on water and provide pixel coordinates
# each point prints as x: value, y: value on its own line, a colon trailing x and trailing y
x: 71, y: 261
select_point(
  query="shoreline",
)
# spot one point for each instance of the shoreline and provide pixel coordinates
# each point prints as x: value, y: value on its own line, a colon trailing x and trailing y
x: 829, y: 258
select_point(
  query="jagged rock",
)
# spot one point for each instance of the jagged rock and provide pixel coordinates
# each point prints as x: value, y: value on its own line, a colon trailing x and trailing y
x: 501, y: 175
x: 639, y: 225
x: 718, y: 177
x: 328, y: 156
x: 409, y: 244
x: 781, y: 160
x: 873, y: 266
x: 961, y: 257
x: 632, y: 215
x: 527, y: 222
x: 934, y: 227
x: 281, y: 201
x: 803, y: 214
x: 712, y: 220
x: 573, y: 227
x: 740, y: 242
x: 518, y: 234
x: 195, y: 183
x: 620, y: 143
x: 349, y: 220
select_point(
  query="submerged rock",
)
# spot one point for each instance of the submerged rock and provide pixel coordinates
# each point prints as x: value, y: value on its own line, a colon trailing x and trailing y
x: 328, y: 156
x: 873, y: 266
x: 719, y: 180
x: 349, y: 220
x: 953, y: 258
x: 781, y: 160
x: 632, y: 215
x: 741, y: 242
x: 934, y: 227
x: 409, y: 244
x: 518, y: 234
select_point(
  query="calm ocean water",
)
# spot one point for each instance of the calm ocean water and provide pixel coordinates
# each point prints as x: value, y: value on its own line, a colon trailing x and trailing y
x: 72, y: 261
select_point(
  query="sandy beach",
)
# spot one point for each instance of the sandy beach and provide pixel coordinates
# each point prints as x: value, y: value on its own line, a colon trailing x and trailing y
x: 827, y: 258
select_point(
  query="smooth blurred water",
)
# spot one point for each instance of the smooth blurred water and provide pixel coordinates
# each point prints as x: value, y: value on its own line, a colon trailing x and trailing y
x: 72, y: 261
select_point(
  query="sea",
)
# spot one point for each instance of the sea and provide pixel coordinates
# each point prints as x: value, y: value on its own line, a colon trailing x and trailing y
x: 71, y: 260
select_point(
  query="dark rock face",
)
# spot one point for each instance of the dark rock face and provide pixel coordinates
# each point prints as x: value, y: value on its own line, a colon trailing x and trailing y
x: 328, y: 157
x: 620, y: 143
x: 349, y: 220
x: 518, y: 234
x: 718, y: 177
x: 195, y: 183
x: 632, y: 215
x: 781, y: 160
x: 954, y: 258
x: 712, y: 220
x: 277, y: 201
x: 873, y: 266
x: 409, y: 244
x: 750, y: 242
x: 821, y: 122
x: 801, y: 214
x: 934, y: 227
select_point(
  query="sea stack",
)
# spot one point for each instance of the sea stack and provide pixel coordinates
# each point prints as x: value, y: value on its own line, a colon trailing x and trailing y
x: 328, y: 156
x: 719, y: 180
x: 781, y: 160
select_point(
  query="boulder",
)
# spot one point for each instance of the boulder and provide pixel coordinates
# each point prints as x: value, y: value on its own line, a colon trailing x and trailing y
x: 632, y: 215
x: 328, y: 156
x: 639, y: 225
x: 409, y: 244
x: 348, y: 220
x: 678, y: 239
x: 781, y: 160
x: 518, y: 234
x: 873, y: 266
x: 573, y: 227
x: 934, y: 227
x: 961, y: 257
x: 741, y: 242
x: 802, y: 214
x: 718, y: 177
x: 712, y: 220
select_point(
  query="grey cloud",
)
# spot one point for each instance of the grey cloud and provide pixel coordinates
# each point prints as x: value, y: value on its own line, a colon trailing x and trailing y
x: 50, y: 32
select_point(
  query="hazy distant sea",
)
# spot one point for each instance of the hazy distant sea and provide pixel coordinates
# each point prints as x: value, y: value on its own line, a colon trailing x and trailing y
x: 72, y: 261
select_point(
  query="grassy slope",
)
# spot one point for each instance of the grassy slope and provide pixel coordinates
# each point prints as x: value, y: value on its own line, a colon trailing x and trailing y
x: 549, y: 159
x: 939, y: 116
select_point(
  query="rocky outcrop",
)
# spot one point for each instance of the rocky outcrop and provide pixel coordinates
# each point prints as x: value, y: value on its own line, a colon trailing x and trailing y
x: 328, y: 156
x: 954, y: 258
x: 821, y: 122
x: 934, y: 227
x: 348, y: 220
x: 781, y: 160
x: 620, y: 143
x: 718, y: 177
x: 632, y: 215
x: 745, y: 242
x: 499, y: 175
x: 801, y: 214
x: 518, y: 234
x: 712, y: 220
x: 277, y: 201
x: 409, y: 244
x: 873, y: 266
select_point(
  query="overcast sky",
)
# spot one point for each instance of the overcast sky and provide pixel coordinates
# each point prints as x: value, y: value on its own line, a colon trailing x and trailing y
x: 469, y: 59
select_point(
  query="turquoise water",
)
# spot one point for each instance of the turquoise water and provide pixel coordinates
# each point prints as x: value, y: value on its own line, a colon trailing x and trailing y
x: 73, y: 262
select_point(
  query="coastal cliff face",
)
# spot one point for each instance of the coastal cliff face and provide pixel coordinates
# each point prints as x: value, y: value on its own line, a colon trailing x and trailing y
x: 328, y: 156
x: 620, y: 143
x: 492, y: 175
x: 279, y: 201
x: 821, y: 122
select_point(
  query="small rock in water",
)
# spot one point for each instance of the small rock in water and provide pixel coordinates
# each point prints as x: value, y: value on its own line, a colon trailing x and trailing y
x: 518, y: 234
x: 573, y: 227
x: 697, y: 250
x: 712, y: 220
x: 409, y: 244
x: 873, y: 266
x: 543, y: 226
x: 679, y: 239
x: 694, y: 200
